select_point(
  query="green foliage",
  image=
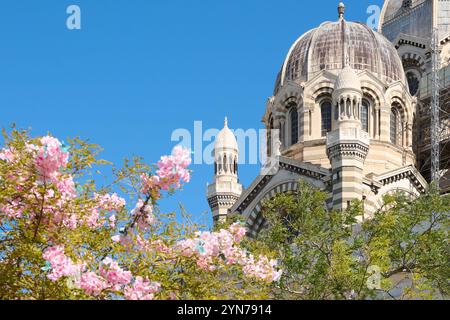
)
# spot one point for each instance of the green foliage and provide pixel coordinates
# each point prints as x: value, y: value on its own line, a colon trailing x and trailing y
x: 333, y: 254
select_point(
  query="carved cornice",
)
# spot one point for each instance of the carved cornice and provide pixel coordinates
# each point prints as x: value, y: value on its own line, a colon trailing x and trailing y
x: 222, y: 200
x: 348, y: 150
x: 409, y: 173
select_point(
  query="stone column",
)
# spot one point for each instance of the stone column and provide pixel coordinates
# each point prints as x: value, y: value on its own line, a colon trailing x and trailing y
x: 376, y: 123
x: 404, y: 137
x: 301, y: 121
x: 347, y: 150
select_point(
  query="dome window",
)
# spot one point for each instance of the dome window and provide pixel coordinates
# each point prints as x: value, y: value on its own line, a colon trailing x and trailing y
x: 225, y: 163
x: 365, y: 116
x: 325, y: 110
x: 394, y: 127
x: 294, y: 124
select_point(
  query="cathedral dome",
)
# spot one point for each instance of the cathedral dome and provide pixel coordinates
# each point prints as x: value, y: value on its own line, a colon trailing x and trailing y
x: 326, y: 48
x: 226, y: 139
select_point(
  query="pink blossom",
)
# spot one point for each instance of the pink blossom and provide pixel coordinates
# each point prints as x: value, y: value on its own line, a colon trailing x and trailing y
x: 160, y: 247
x: 92, y: 284
x: 186, y: 247
x: 6, y: 155
x: 110, y: 202
x: 262, y: 268
x: 71, y: 221
x: 51, y: 158
x: 141, y: 290
x: 92, y: 220
x: 116, y: 238
x: 150, y: 184
x: 125, y: 241
x: 145, y: 215
x: 61, y: 265
x: 66, y: 186
x: 112, y: 221
x: 13, y: 210
x: 238, y: 232
x: 113, y: 273
x: 222, y: 246
x: 172, y: 171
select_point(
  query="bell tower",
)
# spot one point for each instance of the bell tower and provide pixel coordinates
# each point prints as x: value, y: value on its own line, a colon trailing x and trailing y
x: 348, y: 144
x: 226, y: 189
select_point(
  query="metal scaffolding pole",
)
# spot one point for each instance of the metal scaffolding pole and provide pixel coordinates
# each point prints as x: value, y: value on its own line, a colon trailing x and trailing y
x: 435, y: 110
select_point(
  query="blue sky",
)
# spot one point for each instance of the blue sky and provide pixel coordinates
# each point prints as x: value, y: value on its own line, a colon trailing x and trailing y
x: 137, y: 70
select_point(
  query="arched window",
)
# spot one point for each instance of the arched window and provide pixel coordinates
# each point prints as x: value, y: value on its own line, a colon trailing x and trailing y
x: 394, y: 126
x: 365, y: 116
x: 294, y: 125
x: 225, y: 164
x: 325, y: 110
x: 413, y: 83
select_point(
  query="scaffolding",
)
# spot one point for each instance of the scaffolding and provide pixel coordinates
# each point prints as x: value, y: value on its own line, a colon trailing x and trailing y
x: 435, y: 110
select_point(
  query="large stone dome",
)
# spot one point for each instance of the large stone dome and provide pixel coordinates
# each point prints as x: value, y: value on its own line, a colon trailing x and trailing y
x: 328, y: 46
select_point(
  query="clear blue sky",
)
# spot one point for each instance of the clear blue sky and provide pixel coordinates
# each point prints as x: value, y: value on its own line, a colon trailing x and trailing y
x: 140, y: 69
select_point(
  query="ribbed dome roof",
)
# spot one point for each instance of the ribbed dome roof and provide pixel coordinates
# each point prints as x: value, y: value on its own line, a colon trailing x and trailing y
x: 347, y: 79
x: 325, y: 47
x: 226, y: 139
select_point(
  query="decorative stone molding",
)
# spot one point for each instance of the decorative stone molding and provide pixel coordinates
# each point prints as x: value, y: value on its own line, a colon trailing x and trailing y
x: 348, y: 143
x: 224, y: 200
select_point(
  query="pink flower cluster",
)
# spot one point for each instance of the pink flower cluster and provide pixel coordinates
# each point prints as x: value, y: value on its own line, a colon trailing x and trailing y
x: 141, y: 289
x: 51, y: 158
x: 144, y: 213
x: 173, y: 168
x: 92, y: 219
x: 172, y: 171
x: 110, y: 202
x: 105, y: 202
x: 92, y: 284
x: 7, y: 155
x: 262, y: 268
x: 210, y: 247
x: 157, y: 246
x: 110, y: 277
x: 114, y: 274
x: 61, y: 265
